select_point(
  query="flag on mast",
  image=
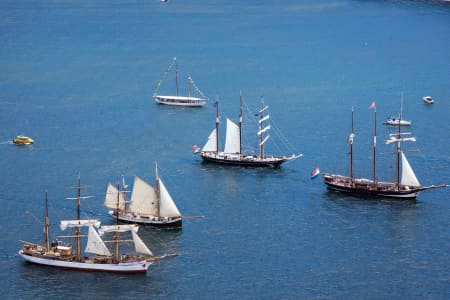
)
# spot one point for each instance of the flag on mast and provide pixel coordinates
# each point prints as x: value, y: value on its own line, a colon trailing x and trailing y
x: 372, y: 106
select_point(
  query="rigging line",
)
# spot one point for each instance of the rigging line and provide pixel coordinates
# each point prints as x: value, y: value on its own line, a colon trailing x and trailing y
x: 196, y: 88
x: 163, y: 78
x: 282, y: 137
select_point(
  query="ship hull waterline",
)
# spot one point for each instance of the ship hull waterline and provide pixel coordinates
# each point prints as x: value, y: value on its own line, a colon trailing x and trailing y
x: 265, y: 163
x: 173, y: 223
x: 124, y: 268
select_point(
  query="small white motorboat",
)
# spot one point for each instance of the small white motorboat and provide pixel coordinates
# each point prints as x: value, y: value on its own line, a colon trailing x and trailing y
x: 428, y: 100
x: 397, y: 121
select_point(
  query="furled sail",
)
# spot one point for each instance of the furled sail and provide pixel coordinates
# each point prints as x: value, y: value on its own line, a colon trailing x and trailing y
x: 78, y: 223
x: 211, y: 144
x: 95, y: 244
x: 111, y: 197
x: 143, y: 199
x: 264, y: 130
x: 232, y: 140
x: 139, y: 245
x: 167, y: 207
x: 265, y: 140
x: 408, y: 176
x: 117, y: 228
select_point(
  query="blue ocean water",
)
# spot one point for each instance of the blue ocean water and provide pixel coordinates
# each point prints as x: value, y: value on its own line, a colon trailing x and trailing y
x: 78, y: 76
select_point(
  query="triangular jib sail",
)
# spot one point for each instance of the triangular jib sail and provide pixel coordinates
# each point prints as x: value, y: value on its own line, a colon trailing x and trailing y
x: 211, y: 144
x: 408, y: 176
x: 95, y: 244
x: 139, y: 245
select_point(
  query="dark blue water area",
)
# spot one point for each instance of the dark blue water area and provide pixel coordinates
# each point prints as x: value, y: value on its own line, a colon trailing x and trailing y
x: 77, y: 76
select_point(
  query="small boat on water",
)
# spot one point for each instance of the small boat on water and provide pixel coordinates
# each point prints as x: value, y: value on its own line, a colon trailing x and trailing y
x: 62, y: 255
x: 428, y: 100
x: 406, y: 186
x: 178, y: 100
x: 233, y: 153
x: 149, y: 205
x: 23, y: 140
x: 398, y: 121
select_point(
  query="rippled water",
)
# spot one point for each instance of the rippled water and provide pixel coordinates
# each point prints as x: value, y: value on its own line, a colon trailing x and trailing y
x: 77, y: 76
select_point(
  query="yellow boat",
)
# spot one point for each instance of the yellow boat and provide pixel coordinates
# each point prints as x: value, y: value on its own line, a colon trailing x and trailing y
x: 23, y: 140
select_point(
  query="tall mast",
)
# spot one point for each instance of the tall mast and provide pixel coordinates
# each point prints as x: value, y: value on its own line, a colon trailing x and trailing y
x: 78, y: 218
x: 47, y: 240
x: 375, y: 145
x: 157, y: 191
x: 240, y: 123
x: 217, y: 124
x: 261, y: 116
x: 399, y: 149
x: 176, y: 74
x: 116, y: 233
x: 189, y: 86
x: 350, y: 140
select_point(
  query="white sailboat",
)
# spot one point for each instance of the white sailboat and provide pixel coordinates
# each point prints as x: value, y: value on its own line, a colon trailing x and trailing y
x: 178, y: 100
x: 62, y: 255
x: 148, y: 205
x: 398, y: 121
x: 232, y: 153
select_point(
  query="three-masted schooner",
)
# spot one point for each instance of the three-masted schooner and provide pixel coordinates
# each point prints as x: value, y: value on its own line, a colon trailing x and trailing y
x: 62, y: 255
x: 179, y: 100
x: 406, y: 186
x: 232, y: 153
x: 148, y: 205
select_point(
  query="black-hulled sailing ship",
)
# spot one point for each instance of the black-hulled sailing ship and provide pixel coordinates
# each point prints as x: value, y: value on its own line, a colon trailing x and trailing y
x: 406, y: 186
x: 233, y: 153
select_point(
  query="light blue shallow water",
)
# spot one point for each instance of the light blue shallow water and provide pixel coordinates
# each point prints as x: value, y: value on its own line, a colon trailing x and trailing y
x: 77, y: 76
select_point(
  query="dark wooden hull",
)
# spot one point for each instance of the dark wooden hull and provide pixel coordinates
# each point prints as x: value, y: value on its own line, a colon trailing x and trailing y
x: 172, y: 223
x: 363, y: 187
x: 273, y: 162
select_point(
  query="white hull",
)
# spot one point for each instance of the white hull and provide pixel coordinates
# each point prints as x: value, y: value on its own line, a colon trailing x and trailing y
x: 151, y: 221
x: 180, y: 101
x: 131, y: 267
x: 428, y: 100
x: 396, y: 122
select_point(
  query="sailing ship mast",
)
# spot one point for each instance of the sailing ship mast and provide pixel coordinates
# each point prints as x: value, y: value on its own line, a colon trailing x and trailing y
x: 116, y: 233
x: 240, y: 123
x: 350, y: 140
x: 262, y: 129
x: 374, y: 143
x: 46, y: 225
x: 158, y: 192
x: 217, y: 125
x: 176, y: 74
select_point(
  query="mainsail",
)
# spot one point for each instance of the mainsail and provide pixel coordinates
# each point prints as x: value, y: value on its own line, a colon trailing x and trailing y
x: 211, y: 144
x: 142, y: 198
x: 232, y: 140
x: 167, y: 207
x: 95, y: 244
x: 111, y: 197
x: 408, y: 176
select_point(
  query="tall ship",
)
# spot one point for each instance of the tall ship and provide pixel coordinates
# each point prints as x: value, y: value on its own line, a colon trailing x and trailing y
x: 66, y: 256
x: 148, y: 205
x: 233, y: 153
x: 406, y: 186
x: 177, y: 100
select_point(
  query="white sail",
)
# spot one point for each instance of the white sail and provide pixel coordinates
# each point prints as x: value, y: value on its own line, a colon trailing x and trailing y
x: 264, y: 130
x: 232, y: 140
x: 95, y: 244
x: 408, y: 176
x: 265, y: 140
x: 143, y: 199
x: 78, y: 223
x: 211, y: 144
x: 117, y: 228
x: 139, y: 245
x: 167, y: 207
x: 111, y: 197
x: 263, y: 119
